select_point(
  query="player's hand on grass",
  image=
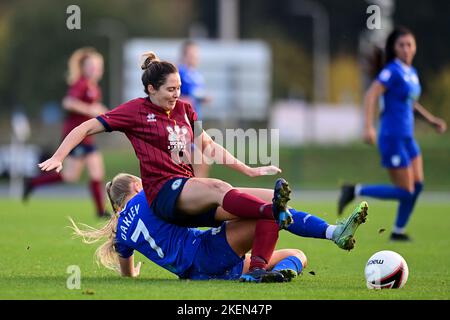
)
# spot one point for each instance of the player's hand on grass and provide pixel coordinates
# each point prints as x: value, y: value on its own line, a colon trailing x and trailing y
x: 51, y: 164
x: 137, y: 270
x: 263, y: 171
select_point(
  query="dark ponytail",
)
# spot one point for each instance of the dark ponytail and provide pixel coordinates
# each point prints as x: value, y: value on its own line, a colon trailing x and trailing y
x: 376, y: 62
x: 380, y: 58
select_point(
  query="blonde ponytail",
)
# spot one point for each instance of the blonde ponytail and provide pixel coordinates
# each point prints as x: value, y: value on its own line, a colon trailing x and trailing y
x: 118, y: 189
x: 106, y: 253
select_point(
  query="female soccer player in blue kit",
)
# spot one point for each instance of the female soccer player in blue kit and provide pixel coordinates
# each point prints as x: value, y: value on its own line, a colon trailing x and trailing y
x: 190, y: 253
x: 193, y: 90
x: 398, y: 86
x: 192, y: 82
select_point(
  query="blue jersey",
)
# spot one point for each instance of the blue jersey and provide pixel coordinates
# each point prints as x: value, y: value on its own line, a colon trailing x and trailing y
x: 192, y: 85
x: 397, y: 104
x: 169, y: 246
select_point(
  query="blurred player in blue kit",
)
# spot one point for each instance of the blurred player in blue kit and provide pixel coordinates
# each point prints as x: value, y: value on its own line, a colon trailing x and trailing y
x: 193, y: 90
x: 192, y: 81
x: 398, y: 86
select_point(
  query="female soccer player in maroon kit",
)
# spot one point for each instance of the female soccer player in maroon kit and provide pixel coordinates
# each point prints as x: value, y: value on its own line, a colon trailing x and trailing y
x: 82, y: 103
x: 161, y: 129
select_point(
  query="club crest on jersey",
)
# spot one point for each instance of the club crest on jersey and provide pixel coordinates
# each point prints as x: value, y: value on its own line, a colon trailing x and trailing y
x: 176, y: 184
x: 177, y: 138
x: 151, y: 117
x: 396, y: 160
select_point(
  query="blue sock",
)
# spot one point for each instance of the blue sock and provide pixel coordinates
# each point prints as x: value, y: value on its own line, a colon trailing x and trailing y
x: 383, y: 192
x: 406, y: 207
x: 307, y: 225
x: 418, y: 187
x: 291, y: 262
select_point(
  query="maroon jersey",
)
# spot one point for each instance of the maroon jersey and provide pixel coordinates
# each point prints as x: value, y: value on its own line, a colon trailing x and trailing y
x: 88, y: 93
x: 161, y: 140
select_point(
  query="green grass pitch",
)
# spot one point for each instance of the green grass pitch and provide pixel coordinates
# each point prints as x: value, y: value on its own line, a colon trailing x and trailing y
x: 37, y: 249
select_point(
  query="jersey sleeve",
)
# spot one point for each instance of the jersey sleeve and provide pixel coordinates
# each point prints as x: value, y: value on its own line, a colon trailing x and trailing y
x: 123, y: 250
x: 118, y: 119
x: 386, y: 77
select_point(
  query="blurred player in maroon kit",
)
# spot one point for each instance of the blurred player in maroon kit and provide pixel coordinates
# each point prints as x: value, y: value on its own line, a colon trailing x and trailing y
x: 161, y: 129
x: 82, y: 103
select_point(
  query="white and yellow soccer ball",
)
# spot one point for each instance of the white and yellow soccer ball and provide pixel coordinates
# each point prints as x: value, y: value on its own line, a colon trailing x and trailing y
x: 386, y: 270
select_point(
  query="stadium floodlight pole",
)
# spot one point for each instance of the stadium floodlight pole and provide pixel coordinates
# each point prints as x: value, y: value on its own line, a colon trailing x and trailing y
x: 321, y: 39
x: 115, y: 31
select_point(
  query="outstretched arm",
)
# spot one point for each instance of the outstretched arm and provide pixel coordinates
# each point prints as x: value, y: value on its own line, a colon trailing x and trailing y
x: 75, y: 105
x: 220, y: 155
x: 370, y: 103
x: 127, y: 268
x: 439, y: 124
x: 75, y: 136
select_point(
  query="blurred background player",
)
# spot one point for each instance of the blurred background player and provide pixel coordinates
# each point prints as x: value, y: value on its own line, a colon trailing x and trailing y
x: 193, y: 90
x: 398, y: 86
x: 82, y: 102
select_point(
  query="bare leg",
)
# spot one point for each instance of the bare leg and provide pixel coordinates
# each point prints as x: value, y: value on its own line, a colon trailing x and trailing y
x: 202, y: 194
x: 201, y: 170
x: 95, y: 167
x: 72, y: 169
x: 403, y: 178
x: 71, y: 172
x: 417, y: 168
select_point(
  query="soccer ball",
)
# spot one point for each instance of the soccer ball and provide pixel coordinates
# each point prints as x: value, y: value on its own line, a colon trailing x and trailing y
x: 386, y: 270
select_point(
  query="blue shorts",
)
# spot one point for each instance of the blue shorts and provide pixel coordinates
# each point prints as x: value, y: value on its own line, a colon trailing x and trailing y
x: 215, y: 259
x: 397, y: 152
x: 82, y: 150
x: 164, y: 206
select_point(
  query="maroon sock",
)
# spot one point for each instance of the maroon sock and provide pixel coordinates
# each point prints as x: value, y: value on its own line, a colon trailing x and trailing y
x: 98, y: 195
x: 46, y: 178
x: 245, y: 205
x: 264, y: 241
